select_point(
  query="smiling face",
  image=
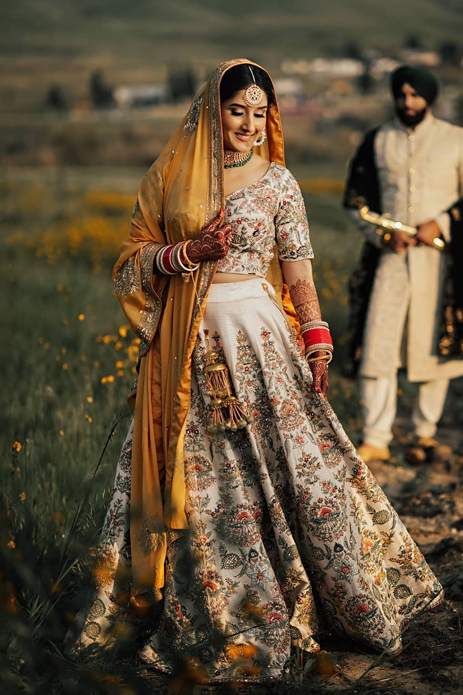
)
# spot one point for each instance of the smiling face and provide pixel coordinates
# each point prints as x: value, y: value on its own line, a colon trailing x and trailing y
x: 410, y: 106
x: 241, y: 124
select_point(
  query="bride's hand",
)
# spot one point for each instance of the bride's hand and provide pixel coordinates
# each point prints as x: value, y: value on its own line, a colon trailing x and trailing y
x: 320, y: 376
x: 212, y: 243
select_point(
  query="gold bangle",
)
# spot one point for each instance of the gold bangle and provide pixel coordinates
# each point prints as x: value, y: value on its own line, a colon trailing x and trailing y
x: 190, y: 263
x: 326, y: 358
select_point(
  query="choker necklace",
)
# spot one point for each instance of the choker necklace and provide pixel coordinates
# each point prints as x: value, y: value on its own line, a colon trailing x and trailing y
x: 233, y: 159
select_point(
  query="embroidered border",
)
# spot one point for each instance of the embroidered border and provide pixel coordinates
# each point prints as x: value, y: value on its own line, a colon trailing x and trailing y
x: 193, y: 115
x: 127, y: 280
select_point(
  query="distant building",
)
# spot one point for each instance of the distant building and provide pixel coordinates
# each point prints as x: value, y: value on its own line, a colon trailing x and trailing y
x: 418, y: 56
x: 142, y: 95
x: 339, y: 67
x: 383, y: 66
x: 291, y: 93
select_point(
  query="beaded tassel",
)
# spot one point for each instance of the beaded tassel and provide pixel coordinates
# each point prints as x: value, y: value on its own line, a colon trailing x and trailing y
x: 220, y: 390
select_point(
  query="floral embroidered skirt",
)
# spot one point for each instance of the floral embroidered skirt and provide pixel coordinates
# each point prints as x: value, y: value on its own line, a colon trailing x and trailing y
x: 288, y: 530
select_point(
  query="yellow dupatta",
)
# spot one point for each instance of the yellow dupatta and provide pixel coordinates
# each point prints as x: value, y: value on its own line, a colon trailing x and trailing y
x: 182, y: 191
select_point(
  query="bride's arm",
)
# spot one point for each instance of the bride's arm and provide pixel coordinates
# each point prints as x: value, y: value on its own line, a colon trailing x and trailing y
x: 299, y: 278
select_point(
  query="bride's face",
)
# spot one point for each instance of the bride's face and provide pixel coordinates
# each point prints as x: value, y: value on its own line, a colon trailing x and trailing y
x: 241, y: 124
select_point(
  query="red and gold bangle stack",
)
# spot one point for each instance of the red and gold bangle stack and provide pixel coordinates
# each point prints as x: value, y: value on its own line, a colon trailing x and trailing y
x: 171, y: 260
x: 317, y: 337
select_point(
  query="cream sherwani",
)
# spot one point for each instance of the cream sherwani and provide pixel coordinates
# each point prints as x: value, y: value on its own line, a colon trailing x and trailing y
x: 420, y: 176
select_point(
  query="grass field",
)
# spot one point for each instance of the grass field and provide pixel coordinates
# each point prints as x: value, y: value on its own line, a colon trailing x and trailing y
x: 68, y: 361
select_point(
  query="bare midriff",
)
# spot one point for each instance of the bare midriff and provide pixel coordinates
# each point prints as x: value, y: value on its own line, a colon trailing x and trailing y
x: 232, y: 277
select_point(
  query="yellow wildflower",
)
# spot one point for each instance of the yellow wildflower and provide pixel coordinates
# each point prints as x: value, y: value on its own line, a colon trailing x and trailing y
x: 118, y: 345
x: 81, y: 317
x: 65, y: 366
x: 11, y: 544
x: 89, y: 399
x: 119, y: 364
x: 123, y: 331
x: 120, y: 372
x: 61, y: 432
x: 17, y: 446
x: 89, y: 419
x: 22, y: 496
x: 110, y: 378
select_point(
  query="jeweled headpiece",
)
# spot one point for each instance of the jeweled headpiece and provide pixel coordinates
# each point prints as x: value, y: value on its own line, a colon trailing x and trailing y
x: 253, y: 94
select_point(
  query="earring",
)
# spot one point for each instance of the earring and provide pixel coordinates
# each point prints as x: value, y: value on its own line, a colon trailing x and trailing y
x: 261, y: 140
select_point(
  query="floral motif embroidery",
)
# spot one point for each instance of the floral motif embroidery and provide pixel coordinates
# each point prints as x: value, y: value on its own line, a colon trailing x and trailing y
x: 268, y: 212
x: 127, y: 279
x: 284, y: 519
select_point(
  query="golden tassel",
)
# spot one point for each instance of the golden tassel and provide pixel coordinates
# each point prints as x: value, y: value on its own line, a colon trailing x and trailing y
x: 220, y: 390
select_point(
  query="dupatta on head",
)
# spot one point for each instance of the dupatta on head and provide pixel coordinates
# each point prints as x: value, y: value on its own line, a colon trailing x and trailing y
x: 180, y: 194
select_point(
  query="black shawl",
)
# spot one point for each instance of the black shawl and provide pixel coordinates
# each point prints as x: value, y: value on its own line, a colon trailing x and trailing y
x: 362, y: 189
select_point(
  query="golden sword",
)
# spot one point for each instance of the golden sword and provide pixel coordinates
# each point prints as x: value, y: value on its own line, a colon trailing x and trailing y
x: 387, y: 225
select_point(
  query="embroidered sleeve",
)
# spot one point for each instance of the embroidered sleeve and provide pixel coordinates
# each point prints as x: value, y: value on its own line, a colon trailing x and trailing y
x: 291, y: 225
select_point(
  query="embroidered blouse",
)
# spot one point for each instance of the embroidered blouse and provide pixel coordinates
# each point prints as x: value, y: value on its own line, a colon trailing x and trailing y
x: 268, y: 212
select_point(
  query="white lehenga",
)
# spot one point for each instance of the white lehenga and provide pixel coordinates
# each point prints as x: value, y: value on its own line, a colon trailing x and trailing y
x: 285, y: 520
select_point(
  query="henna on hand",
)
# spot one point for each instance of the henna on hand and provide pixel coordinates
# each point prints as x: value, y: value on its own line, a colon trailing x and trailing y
x: 320, y: 376
x: 212, y: 243
x: 305, y: 301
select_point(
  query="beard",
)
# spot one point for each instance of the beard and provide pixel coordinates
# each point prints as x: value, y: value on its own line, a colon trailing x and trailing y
x: 408, y: 120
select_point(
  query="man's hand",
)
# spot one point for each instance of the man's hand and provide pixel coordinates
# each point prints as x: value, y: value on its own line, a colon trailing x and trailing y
x: 427, y: 232
x: 400, y: 242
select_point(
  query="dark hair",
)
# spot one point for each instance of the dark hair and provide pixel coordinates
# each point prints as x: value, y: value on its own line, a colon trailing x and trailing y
x: 239, y: 77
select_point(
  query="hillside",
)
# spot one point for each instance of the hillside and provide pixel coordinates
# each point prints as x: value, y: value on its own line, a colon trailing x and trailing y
x: 63, y: 40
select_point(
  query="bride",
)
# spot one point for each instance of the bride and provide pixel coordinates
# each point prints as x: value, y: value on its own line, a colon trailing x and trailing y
x: 239, y: 500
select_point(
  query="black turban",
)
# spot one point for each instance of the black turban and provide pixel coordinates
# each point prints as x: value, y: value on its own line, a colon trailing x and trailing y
x: 423, y: 82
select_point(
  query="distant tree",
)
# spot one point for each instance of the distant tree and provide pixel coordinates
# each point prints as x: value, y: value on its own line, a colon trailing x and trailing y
x: 353, y: 50
x: 182, y: 83
x: 413, y: 41
x: 450, y: 53
x: 365, y: 82
x: 101, y: 94
x: 55, y: 99
x: 459, y: 110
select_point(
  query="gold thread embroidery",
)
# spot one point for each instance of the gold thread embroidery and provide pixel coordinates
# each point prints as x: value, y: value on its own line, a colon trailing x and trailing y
x: 193, y: 115
x: 127, y: 279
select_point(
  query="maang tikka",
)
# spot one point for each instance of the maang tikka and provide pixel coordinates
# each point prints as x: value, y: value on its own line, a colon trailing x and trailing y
x: 253, y: 94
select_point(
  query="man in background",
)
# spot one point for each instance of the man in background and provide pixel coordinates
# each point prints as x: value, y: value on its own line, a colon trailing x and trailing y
x: 411, y: 169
